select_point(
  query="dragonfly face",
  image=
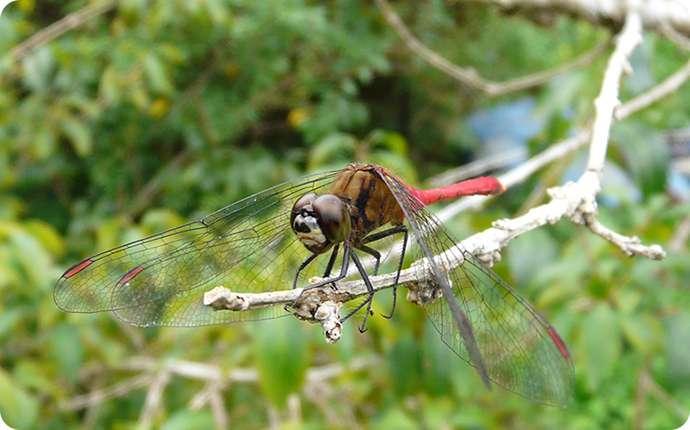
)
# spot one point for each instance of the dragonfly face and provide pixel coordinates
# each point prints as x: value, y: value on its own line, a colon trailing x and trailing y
x: 358, y: 203
x: 320, y: 221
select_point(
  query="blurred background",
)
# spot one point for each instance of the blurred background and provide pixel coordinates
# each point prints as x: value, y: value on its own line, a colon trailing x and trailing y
x: 150, y: 113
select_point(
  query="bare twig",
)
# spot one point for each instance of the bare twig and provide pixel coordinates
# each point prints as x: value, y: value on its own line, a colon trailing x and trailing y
x: 607, y: 101
x: 653, y: 13
x: 680, y: 236
x: 203, y: 397
x: 521, y: 172
x: 668, y: 86
x: 680, y: 39
x: 61, y: 27
x: 470, y: 76
x: 101, y: 396
x: 154, y: 398
x: 91, y: 413
x: 650, y: 386
x: 153, y: 186
x: 220, y: 414
x: 135, y: 336
x: 479, y: 167
x: 294, y: 408
x: 152, y: 372
x: 212, y: 395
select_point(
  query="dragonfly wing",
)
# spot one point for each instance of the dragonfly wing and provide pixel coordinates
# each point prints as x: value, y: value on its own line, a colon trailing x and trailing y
x: 519, y: 350
x: 247, y: 247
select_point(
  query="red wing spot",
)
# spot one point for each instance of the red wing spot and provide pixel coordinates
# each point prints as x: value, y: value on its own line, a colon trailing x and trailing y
x: 77, y: 268
x: 559, y: 342
x: 131, y: 274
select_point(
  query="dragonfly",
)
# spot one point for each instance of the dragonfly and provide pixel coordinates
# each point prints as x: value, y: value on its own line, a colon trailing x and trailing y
x: 309, y: 227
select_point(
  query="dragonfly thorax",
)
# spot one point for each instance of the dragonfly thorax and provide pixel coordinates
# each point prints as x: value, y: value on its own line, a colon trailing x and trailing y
x: 320, y: 221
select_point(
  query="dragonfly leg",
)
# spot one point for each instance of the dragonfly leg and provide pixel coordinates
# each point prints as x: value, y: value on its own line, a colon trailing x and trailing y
x: 381, y: 235
x: 301, y: 267
x: 343, y: 272
x: 368, y: 301
x: 311, y: 258
x: 331, y: 261
x: 397, y: 275
x: 374, y: 253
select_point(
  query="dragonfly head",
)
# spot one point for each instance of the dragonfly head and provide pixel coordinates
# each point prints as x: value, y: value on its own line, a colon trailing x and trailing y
x: 320, y: 221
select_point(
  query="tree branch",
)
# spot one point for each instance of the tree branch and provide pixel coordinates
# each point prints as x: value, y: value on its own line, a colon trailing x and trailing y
x: 607, y: 101
x: 577, y: 201
x: 653, y: 13
x: 668, y: 86
x: 469, y: 76
x: 150, y: 369
x: 101, y: 396
x: 154, y: 398
x: 522, y: 172
x: 57, y: 29
x: 212, y: 394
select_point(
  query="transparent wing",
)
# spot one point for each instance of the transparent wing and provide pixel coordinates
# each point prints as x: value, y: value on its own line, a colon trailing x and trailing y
x: 516, y: 346
x: 247, y: 247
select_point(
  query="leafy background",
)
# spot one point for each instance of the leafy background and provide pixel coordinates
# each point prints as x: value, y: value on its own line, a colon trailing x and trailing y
x: 159, y: 112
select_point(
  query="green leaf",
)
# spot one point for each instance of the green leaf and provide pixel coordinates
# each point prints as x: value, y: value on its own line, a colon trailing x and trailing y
x: 79, y: 135
x: 217, y: 11
x: 157, y: 75
x: 337, y: 146
x: 645, y: 152
x: 108, y: 88
x: 404, y: 363
x: 64, y: 349
x: 34, y: 260
x: 438, y: 412
x: 156, y: 220
x: 17, y: 407
x: 38, y: 67
x: 45, y: 143
x: 644, y: 332
x: 8, y: 320
x: 48, y: 236
x: 560, y: 93
x: 437, y: 359
x: 35, y: 375
x: 677, y: 351
x: 531, y: 253
x: 282, y: 357
x: 600, y: 343
x: 391, y: 141
x: 10, y: 207
x: 394, y: 418
x: 186, y: 419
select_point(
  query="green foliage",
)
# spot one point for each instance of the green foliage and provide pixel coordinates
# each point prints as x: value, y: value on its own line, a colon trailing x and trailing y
x: 282, y: 358
x: 19, y: 407
x: 645, y: 154
x: 160, y: 112
x: 189, y: 420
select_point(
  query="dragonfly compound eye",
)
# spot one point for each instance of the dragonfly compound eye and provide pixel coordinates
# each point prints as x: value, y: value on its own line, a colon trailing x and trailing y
x: 304, y: 202
x: 305, y: 224
x: 333, y: 217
